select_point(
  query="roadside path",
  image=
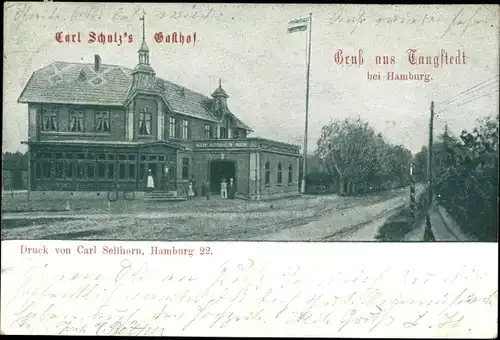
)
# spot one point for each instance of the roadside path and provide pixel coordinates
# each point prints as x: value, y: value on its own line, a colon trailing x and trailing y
x: 444, y: 227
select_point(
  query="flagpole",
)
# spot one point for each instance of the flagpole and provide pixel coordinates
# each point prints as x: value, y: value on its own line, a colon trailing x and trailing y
x: 304, y: 163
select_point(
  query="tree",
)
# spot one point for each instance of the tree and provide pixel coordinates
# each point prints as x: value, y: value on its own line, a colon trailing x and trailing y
x: 345, y: 149
x: 362, y: 160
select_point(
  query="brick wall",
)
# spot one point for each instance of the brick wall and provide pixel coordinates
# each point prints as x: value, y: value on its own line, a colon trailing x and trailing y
x: 274, y: 188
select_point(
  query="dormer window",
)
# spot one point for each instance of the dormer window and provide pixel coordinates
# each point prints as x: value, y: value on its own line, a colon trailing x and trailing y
x: 76, y: 121
x: 49, y: 119
x: 145, y: 122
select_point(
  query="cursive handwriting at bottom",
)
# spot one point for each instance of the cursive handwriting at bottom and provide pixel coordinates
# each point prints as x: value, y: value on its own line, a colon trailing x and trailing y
x: 137, y: 299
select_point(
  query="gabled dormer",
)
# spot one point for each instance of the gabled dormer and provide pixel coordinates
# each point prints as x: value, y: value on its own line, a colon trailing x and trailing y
x: 229, y: 126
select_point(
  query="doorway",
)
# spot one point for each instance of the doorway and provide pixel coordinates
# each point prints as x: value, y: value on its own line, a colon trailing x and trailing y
x: 219, y: 170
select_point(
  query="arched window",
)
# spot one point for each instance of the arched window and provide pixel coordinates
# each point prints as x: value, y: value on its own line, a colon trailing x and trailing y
x: 267, y: 174
x: 280, y: 174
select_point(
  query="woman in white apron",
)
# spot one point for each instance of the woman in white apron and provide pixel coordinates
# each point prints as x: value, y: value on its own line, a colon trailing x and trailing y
x: 151, y: 182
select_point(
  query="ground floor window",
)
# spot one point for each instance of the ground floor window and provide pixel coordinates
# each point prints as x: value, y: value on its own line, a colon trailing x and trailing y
x: 101, y: 170
x: 280, y: 174
x: 82, y: 166
x: 290, y: 178
x: 91, y: 169
x: 267, y: 172
x: 185, y: 168
x: 47, y: 169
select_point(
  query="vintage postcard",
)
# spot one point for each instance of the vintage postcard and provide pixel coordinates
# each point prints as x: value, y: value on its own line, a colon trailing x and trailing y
x: 250, y: 170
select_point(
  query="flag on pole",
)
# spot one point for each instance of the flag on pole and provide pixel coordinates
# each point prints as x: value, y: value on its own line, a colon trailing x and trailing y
x: 297, y: 25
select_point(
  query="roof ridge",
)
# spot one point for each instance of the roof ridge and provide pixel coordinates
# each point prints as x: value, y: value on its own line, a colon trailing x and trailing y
x: 78, y: 63
x: 129, y: 69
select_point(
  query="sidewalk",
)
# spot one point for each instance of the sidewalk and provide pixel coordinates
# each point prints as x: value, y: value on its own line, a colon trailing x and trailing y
x: 444, y: 227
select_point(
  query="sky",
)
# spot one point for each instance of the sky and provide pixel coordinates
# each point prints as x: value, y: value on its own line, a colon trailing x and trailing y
x: 263, y: 69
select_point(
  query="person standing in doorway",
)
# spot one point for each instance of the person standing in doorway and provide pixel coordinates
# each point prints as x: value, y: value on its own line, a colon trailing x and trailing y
x: 193, y: 181
x: 232, y: 189
x: 223, y: 189
x: 190, y: 190
x: 150, y: 186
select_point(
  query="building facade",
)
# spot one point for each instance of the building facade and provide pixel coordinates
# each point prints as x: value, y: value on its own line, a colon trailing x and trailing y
x: 93, y: 127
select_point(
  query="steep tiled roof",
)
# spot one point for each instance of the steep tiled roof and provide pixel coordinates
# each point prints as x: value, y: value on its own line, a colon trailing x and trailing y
x: 78, y: 83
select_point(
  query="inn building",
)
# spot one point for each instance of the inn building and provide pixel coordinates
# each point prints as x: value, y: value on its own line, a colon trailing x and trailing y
x: 93, y: 127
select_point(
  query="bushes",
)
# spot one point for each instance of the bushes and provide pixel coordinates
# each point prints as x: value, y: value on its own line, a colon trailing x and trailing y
x: 320, y: 183
x: 472, y: 200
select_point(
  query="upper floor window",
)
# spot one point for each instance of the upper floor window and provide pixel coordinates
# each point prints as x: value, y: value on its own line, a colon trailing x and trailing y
x: 49, y: 119
x: 280, y: 174
x: 76, y: 121
x: 208, y: 131
x: 185, y: 129
x: 171, y: 127
x: 102, y: 121
x: 235, y: 134
x: 145, y: 122
x: 267, y: 169
x: 223, y: 132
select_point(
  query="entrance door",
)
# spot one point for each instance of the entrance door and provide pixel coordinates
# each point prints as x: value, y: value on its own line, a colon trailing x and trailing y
x: 221, y: 170
x: 157, y: 160
x: 170, y: 183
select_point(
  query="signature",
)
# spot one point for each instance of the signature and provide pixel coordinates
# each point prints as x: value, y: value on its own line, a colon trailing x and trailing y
x: 461, y: 22
x: 464, y: 22
x: 25, y: 12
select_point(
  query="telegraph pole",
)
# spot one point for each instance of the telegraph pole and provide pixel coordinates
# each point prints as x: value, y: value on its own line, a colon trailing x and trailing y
x: 304, y: 163
x: 428, y: 234
x: 412, y: 194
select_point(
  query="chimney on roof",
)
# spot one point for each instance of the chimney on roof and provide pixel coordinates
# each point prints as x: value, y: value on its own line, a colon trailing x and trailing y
x: 97, y: 63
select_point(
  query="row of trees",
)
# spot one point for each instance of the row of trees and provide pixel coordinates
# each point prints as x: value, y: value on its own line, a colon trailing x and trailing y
x: 465, y: 172
x: 14, y: 170
x: 358, y: 160
x: 15, y: 160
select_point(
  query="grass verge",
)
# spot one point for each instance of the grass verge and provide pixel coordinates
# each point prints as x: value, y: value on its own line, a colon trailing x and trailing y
x: 400, y: 224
